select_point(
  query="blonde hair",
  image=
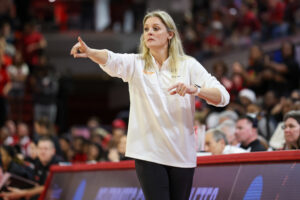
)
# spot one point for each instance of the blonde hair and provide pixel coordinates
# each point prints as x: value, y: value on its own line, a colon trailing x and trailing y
x: 175, y: 47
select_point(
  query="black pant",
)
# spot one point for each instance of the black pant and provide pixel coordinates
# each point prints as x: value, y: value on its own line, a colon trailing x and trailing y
x: 161, y: 182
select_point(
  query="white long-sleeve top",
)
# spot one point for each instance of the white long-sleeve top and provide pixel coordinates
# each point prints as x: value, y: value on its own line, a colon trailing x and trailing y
x: 160, y: 128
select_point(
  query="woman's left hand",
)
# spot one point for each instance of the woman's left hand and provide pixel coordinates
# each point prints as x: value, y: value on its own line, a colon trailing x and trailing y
x: 182, y: 89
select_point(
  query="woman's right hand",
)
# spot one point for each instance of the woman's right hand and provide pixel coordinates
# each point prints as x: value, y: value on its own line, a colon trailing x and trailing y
x: 80, y: 49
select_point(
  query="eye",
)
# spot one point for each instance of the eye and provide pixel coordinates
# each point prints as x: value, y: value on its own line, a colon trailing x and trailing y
x: 155, y: 28
x: 146, y: 29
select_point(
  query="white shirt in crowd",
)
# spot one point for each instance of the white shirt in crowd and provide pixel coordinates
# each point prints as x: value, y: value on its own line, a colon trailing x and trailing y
x: 233, y: 149
x: 160, y: 125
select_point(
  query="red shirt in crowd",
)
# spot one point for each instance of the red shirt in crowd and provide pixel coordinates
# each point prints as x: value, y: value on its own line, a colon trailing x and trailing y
x: 4, y: 79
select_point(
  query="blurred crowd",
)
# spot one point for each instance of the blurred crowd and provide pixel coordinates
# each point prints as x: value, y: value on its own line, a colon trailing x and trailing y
x: 263, y: 114
x: 215, y: 27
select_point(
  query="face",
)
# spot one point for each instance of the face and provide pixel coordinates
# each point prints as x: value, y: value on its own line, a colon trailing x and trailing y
x: 155, y: 33
x: 291, y: 131
x: 5, y: 158
x: 46, y: 151
x: 122, y: 144
x: 216, y: 148
x: 22, y: 130
x: 287, y: 49
x: 255, y: 53
x: 243, y: 130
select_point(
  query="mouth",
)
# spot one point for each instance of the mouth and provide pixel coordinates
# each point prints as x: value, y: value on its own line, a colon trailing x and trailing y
x: 150, y: 40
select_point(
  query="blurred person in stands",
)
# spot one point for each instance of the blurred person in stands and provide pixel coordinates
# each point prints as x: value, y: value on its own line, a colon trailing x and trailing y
x: 7, y: 38
x: 18, y: 73
x: 248, y: 23
x: 46, y: 158
x: 4, y: 136
x: 93, y: 123
x: 253, y: 76
x: 45, y: 86
x: 268, y: 122
x: 291, y: 129
x: 118, y: 130
x: 5, y: 86
x: 94, y: 153
x: 79, y: 144
x: 122, y: 148
x: 273, y: 19
x: 66, y: 148
x: 286, y: 70
x: 31, y: 156
x: 220, y: 71
x: 33, y: 44
x: 101, y: 137
x: 44, y: 127
x: 216, y: 143
x: 24, y: 139
x: 10, y: 163
x: 285, y: 105
x: 246, y: 134
x: 228, y: 128
x: 13, y: 138
x: 162, y: 86
x: 7, y: 11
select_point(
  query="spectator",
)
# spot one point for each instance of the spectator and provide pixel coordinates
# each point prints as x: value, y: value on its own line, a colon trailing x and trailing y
x: 24, y: 139
x: 33, y: 43
x: 45, y: 90
x: 10, y: 163
x: 18, y: 73
x: 118, y: 131
x: 95, y: 153
x: 80, y: 153
x: 246, y: 134
x: 4, y: 89
x: 122, y: 147
x: 228, y: 128
x: 43, y: 127
x: 66, y: 148
x: 46, y: 158
x: 220, y: 71
x: 268, y: 123
x: 249, y: 24
x: 286, y: 71
x: 291, y: 129
x: 216, y: 143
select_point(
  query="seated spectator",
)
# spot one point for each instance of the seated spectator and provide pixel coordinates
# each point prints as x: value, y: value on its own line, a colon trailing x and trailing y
x: 44, y: 127
x: 246, y: 134
x: 228, y: 128
x: 24, y: 139
x: 94, y: 153
x: 291, y: 129
x: 216, y: 143
x: 10, y: 163
x: 80, y: 150
x: 46, y: 158
x: 119, y: 129
x: 122, y: 147
x: 66, y: 148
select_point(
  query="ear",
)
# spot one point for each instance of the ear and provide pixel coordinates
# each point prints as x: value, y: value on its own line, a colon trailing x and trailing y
x: 171, y: 35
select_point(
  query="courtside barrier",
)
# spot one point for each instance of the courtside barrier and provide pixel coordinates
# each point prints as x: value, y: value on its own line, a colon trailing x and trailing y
x: 258, y: 175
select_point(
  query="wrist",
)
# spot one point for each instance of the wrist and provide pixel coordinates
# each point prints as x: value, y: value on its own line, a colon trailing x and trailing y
x: 197, y: 91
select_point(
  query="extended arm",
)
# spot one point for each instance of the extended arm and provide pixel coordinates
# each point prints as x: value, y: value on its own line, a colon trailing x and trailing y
x: 81, y: 50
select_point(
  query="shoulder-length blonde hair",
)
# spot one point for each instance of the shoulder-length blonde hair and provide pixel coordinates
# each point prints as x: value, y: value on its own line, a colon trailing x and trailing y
x: 175, y: 47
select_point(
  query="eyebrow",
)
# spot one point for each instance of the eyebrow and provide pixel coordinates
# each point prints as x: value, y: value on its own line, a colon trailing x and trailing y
x: 153, y: 24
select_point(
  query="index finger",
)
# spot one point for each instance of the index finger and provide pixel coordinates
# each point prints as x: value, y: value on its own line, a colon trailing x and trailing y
x: 82, y: 43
